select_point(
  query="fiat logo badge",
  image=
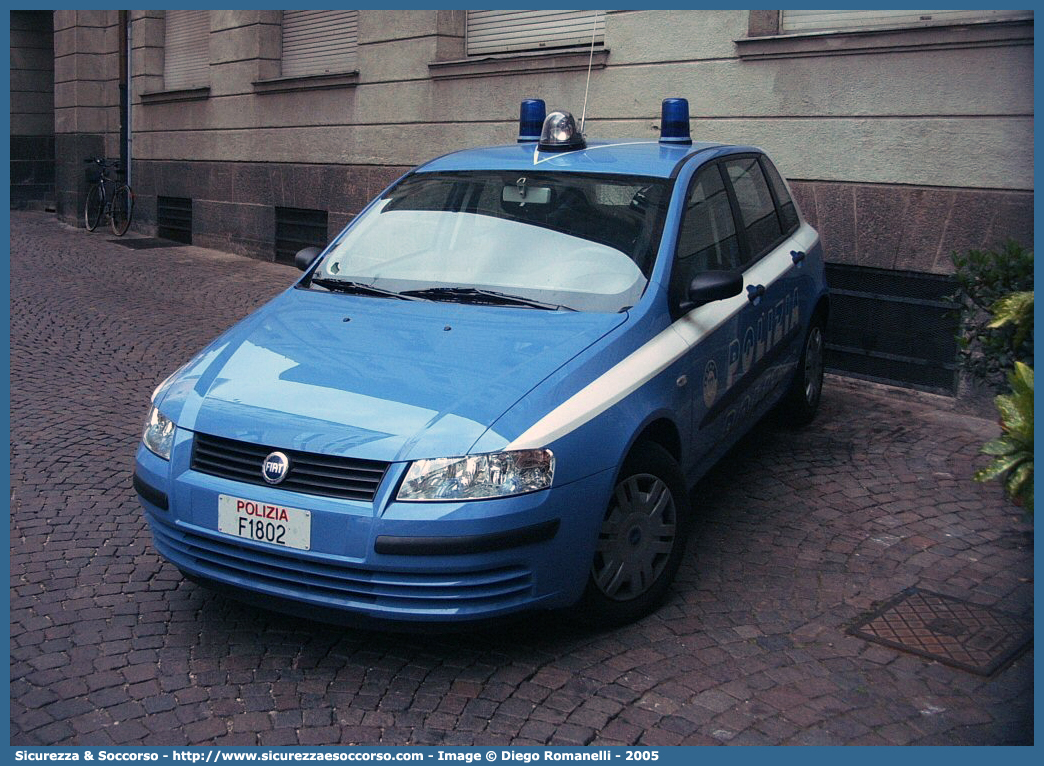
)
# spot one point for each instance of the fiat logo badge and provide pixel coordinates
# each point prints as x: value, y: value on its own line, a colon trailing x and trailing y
x: 275, y: 468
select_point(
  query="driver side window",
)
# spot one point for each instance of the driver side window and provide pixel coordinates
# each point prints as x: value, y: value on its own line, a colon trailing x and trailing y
x: 707, y: 238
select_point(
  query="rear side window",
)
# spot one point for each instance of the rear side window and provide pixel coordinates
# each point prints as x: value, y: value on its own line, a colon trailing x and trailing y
x: 756, y: 207
x: 787, y: 212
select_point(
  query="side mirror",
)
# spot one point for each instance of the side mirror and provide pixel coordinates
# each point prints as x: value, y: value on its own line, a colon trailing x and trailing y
x: 306, y: 257
x: 710, y: 286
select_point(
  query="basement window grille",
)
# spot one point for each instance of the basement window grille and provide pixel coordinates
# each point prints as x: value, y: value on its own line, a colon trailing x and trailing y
x: 174, y: 219
x: 895, y: 327
x: 297, y: 228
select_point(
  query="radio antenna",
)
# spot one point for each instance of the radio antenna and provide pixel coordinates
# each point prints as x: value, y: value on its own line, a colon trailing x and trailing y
x: 590, y: 60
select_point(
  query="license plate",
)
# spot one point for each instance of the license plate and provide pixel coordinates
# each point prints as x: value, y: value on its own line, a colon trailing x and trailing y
x: 266, y: 523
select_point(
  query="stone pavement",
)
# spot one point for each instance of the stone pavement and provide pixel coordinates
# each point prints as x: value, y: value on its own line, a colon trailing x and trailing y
x: 799, y: 534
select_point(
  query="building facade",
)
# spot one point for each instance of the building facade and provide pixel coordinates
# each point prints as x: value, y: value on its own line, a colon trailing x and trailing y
x: 905, y: 135
x: 32, y: 108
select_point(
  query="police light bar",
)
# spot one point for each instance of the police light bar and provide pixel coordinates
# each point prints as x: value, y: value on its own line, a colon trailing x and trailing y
x: 560, y: 134
x: 674, y: 121
x: 530, y: 120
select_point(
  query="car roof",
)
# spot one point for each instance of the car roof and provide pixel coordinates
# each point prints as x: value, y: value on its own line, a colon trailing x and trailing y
x: 624, y: 157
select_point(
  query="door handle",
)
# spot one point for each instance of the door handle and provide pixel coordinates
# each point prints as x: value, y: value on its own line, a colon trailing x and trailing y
x: 754, y: 293
x: 797, y: 255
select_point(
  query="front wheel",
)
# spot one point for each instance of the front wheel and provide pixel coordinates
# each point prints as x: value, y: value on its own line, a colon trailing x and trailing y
x: 641, y: 541
x: 122, y: 210
x: 92, y: 211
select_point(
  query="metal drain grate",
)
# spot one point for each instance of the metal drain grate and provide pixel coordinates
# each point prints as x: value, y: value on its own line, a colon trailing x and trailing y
x: 949, y: 630
x: 145, y: 243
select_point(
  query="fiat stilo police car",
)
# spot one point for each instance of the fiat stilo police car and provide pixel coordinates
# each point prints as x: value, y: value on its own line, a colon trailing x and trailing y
x: 493, y: 390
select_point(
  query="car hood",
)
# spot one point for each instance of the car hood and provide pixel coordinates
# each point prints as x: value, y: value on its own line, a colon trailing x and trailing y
x: 375, y: 378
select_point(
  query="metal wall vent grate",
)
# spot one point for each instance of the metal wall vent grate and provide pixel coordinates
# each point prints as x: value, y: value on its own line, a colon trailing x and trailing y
x: 896, y: 327
x: 174, y: 219
x: 297, y: 228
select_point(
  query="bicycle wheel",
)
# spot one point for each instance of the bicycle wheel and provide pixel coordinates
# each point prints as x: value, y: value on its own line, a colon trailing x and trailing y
x: 92, y: 211
x: 122, y: 209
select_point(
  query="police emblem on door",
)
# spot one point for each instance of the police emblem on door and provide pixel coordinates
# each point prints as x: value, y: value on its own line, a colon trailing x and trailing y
x: 710, y: 383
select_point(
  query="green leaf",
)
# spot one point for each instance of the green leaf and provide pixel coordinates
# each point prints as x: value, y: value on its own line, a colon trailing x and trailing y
x: 1010, y: 414
x: 1017, y: 479
x: 1002, y: 445
x: 1014, y: 308
x: 1022, y: 378
x: 998, y: 467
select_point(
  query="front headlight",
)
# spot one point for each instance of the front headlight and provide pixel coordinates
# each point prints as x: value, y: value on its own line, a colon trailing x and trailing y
x: 159, y: 433
x: 479, y: 477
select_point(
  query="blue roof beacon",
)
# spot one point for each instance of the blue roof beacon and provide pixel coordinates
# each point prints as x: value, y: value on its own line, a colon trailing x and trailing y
x: 531, y: 120
x: 550, y: 342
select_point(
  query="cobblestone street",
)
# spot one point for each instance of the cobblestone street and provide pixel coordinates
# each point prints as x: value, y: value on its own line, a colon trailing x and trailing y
x: 799, y: 534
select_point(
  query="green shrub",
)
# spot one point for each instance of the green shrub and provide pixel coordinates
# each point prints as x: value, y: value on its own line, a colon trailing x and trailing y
x: 1012, y: 451
x: 1015, y: 309
x: 988, y: 350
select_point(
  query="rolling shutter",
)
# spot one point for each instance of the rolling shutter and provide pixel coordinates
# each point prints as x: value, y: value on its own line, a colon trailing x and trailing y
x: 504, y: 31
x: 319, y: 42
x: 186, y: 49
x: 848, y: 21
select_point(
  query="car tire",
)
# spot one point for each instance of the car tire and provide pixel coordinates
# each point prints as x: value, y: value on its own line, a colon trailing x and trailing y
x: 801, y: 402
x: 641, y: 541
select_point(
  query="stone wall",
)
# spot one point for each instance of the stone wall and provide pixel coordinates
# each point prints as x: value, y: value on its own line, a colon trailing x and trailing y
x: 233, y: 203
x: 86, y: 99
x: 911, y: 228
x: 32, y: 108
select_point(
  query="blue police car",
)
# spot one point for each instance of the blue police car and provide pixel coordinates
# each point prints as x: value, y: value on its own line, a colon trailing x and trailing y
x: 492, y: 391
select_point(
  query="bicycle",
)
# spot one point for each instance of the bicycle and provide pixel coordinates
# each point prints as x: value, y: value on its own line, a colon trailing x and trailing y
x: 110, y: 197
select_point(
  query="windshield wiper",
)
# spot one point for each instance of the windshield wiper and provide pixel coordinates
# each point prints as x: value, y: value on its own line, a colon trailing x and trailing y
x: 479, y: 296
x: 357, y: 288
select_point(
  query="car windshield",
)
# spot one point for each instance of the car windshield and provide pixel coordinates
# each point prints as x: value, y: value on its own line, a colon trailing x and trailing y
x: 539, y: 240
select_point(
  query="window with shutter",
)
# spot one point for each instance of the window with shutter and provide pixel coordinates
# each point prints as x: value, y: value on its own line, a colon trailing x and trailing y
x: 319, y: 42
x: 853, y: 20
x: 507, y: 31
x: 186, y: 50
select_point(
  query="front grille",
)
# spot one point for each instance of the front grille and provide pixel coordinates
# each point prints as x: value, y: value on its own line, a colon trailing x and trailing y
x: 311, y: 578
x: 311, y: 474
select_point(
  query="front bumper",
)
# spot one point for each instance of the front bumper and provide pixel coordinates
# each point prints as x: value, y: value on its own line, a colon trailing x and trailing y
x: 383, y: 561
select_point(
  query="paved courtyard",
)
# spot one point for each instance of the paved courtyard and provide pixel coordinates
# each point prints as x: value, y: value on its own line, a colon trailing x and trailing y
x: 799, y: 534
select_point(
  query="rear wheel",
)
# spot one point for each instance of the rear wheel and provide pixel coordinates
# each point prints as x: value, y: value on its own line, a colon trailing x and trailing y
x: 801, y: 402
x: 122, y: 210
x: 92, y: 211
x: 641, y: 541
